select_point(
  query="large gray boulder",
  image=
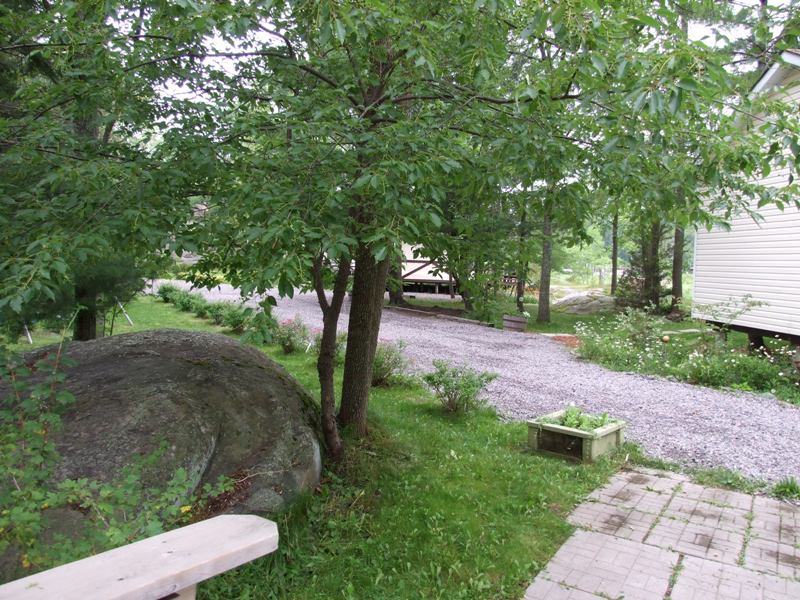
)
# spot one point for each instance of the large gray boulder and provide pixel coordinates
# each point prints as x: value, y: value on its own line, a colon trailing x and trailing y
x: 222, y: 408
x: 586, y: 303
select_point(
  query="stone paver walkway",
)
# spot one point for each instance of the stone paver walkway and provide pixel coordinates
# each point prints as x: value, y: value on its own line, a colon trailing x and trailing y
x: 655, y: 535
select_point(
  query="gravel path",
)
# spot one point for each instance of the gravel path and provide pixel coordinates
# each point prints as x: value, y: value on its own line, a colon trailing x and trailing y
x: 692, y: 425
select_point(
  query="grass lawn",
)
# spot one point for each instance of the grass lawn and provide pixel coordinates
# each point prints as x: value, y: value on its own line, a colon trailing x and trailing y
x: 430, y: 506
x: 146, y: 312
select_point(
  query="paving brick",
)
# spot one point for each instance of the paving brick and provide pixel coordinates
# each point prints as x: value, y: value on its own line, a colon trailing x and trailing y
x: 709, y: 580
x: 544, y: 589
x: 635, y: 528
x: 629, y: 524
x: 697, y: 540
x: 716, y: 496
x: 698, y: 512
x: 770, y: 556
x: 617, y: 567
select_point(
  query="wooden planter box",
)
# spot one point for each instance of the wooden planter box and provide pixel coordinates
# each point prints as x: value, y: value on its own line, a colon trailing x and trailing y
x: 513, y: 323
x: 576, y: 444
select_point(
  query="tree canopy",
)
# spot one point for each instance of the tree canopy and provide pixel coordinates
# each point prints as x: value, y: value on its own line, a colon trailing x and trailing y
x: 320, y: 135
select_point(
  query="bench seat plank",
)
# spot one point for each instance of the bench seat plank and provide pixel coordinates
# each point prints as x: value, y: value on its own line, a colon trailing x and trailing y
x: 154, y: 567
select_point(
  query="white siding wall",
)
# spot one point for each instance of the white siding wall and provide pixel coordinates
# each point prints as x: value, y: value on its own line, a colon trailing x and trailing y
x: 760, y: 259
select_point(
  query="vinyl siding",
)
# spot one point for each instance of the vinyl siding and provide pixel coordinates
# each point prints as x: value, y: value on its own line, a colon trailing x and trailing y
x: 759, y: 259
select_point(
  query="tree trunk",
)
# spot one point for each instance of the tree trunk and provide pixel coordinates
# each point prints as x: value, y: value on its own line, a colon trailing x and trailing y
x: 369, y: 284
x: 396, y: 283
x: 755, y: 341
x: 521, y: 273
x: 522, y: 266
x: 466, y: 296
x: 327, y: 354
x: 85, y: 327
x: 543, y: 314
x: 650, y: 265
x: 677, y: 269
x: 614, y: 252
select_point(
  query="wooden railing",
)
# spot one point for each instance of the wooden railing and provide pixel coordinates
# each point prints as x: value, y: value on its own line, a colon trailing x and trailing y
x: 169, y: 565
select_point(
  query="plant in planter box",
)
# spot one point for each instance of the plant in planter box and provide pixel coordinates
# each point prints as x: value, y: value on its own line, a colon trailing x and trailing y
x: 571, y: 433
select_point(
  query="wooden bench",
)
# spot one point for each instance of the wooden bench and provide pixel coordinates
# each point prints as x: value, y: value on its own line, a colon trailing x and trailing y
x: 169, y: 565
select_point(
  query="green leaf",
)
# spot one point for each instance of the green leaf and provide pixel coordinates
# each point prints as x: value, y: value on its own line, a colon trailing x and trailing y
x: 599, y: 63
x: 340, y: 30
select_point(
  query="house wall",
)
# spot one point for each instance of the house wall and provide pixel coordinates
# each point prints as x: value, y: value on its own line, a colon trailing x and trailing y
x: 760, y: 259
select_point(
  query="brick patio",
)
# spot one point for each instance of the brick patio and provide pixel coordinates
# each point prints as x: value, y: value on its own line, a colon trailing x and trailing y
x: 656, y: 535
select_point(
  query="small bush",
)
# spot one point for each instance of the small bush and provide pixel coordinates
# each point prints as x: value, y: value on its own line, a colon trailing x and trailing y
x: 292, y: 336
x: 184, y: 301
x: 788, y: 489
x: 260, y: 328
x: 167, y: 292
x: 235, y: 317
x: 389, y: 364
x: 216, y: 311
x: 457, y: 387
x: 341, y: 346
x: 199, y: 306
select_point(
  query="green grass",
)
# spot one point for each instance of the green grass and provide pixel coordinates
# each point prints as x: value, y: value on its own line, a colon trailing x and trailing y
x: 146, y: 312
x: 430, y: 505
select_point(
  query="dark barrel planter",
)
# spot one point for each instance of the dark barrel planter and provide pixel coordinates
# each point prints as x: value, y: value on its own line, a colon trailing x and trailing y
x: 513, y: 323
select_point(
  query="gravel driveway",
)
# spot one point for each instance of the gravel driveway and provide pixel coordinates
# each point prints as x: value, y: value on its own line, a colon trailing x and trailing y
x: 692, y: 425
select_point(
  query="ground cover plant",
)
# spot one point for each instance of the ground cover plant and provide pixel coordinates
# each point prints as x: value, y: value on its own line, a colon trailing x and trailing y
x: 115, y: 512
x: 389, y: 365
x: 575, y: 418
x: 457, y: 387
x: 634, y: 340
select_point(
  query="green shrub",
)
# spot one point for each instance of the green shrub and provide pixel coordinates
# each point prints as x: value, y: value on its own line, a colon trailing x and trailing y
x: 457, y: 386
x: 260, y: 328
x: 199, y: 306
x: 389, y: 365
x: 184, y: 301
x: 787, y: 489
x: 292, y: 336
x: 167, y: 292
x: 340, y: 349
x: 634, y: 341
x: 216, y: 312
x: 235, y: 317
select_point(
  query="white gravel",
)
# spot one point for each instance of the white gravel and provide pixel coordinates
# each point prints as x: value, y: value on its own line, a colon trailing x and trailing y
x: 695, y: 426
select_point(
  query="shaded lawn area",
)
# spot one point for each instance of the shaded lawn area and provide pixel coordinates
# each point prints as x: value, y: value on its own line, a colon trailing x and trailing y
x: 429, y: 506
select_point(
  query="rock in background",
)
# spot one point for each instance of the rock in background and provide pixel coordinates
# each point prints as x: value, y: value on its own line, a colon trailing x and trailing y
x: 586, y: 303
